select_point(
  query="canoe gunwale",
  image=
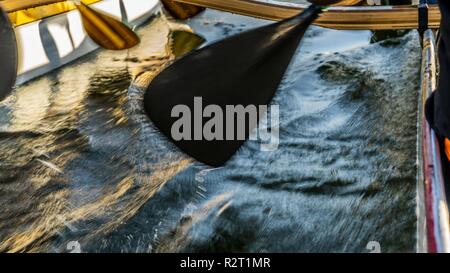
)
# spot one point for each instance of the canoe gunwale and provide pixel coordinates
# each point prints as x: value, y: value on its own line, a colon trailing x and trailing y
x: 432, y: 203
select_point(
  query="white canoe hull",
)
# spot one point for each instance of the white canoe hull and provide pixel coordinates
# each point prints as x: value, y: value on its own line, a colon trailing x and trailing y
x: 52, y: 42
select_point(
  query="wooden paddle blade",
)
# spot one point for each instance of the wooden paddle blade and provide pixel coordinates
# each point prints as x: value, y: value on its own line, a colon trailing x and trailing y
x: 8, y: 56
x: 106, y: 31
x: 180, y: 10
x: 245, y: 69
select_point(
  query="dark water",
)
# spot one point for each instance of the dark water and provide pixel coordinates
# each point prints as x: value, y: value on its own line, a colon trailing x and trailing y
x: 79, y: 160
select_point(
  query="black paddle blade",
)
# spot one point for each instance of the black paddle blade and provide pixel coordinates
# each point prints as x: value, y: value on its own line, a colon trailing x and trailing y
x: 245, y: 69
x: 8, y: 56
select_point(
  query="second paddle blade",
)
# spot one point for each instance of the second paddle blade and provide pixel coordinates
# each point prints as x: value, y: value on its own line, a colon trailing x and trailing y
x: 106, y: 31
x: 245, y: 69
x: 182, y: 42
x: 8, y: 56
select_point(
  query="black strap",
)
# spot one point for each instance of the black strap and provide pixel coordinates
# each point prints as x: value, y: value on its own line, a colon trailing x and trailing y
x: 423, y: 16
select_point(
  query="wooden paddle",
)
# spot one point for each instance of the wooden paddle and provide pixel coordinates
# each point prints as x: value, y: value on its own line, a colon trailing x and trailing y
x: 245, y: 69
x: 105, y: 30
x: 8, y: 55
x: 184, y: 10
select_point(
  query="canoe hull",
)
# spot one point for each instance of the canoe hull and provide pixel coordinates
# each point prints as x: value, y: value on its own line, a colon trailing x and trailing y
x: 433, y: 217
x: 50, y: 43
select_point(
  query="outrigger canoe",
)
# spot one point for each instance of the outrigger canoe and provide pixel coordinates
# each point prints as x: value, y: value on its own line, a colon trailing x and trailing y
x: 433, y: 232
x: 51, y: 34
